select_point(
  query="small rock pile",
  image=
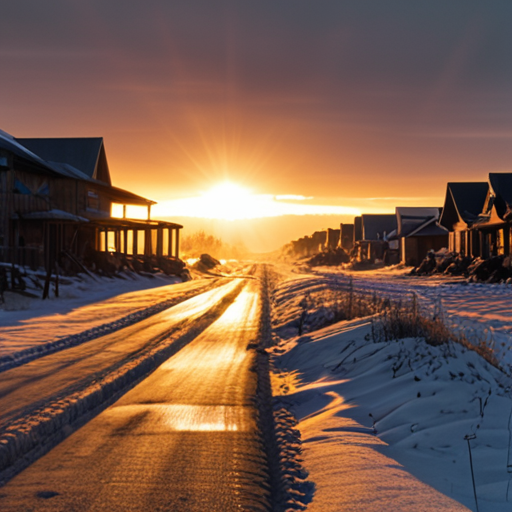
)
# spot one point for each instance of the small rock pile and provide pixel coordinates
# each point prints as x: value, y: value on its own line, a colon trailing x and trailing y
x: 331, y: 258
x: 496, y: 269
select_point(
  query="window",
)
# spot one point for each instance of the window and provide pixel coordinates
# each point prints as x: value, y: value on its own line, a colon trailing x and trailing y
x: 111, y: 241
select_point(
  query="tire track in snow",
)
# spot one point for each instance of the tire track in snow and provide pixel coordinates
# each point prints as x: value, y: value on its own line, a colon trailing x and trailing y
x: 33, y: 433
x: 30, y: 354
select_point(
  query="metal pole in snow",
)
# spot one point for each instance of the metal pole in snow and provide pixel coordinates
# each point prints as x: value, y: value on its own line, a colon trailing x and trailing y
x: 467, y: 438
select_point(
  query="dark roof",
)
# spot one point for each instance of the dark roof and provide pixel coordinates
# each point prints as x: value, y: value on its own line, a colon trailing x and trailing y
x: 9, y: 143
x: 374, y: 225
x: 501, y: 184
x: 464, y: 201
x: 76, y: 158
x: 85, y: 154
x: 429, y: 228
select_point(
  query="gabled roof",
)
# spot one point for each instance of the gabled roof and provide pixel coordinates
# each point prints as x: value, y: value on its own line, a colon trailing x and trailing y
x: 501, y: 184
x: 76, y: 158
x: 410, y: 218
x: 375, y: 225
x: 429, y: 228
x: 87, y: 154
x: 464, y: 201
x: 9, y: 143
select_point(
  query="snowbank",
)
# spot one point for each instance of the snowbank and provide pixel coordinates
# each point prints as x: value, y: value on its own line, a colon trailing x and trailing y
x: 481, y: 311
x: 382, y: 422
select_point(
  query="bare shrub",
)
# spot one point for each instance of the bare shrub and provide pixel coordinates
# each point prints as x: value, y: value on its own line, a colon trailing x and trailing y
x: 403, y: 319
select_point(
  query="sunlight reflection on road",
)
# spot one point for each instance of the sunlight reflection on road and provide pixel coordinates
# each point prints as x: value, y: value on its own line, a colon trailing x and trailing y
x: 186, y: 418
x: 203, y: 418
x: 196, y: 305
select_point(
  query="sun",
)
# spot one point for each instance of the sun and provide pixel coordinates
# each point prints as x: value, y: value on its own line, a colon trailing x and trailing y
x: 228, y: 201
x: 227, y: 192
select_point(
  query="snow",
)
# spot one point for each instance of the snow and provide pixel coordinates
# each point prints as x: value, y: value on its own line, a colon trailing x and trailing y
x: 83, y: 304
x: 383, y: 424
x: 480, y: 309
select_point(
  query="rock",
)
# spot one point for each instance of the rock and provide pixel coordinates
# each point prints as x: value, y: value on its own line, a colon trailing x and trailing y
x: 208, y: 261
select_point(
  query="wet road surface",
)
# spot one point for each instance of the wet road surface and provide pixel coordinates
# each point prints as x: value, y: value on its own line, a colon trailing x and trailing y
x: 63, y: 372
x: 184, y: 439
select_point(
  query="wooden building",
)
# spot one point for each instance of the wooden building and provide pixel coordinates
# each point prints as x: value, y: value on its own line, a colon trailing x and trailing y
x: 347, y: 236
x: 56, y: 199
x: 418, y: 232
x: 463, y: 204
x: 370, y: 237
x: 492, y: 227
x: 333, y: 239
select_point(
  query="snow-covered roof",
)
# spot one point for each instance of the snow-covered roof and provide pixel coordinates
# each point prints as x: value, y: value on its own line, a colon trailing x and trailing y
x: 76, y: 158
x: 9, y: 143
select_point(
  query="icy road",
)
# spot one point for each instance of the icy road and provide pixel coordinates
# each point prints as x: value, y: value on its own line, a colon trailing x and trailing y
x: 185, y: 438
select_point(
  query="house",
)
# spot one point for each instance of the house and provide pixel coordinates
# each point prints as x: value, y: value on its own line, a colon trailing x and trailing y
x: 333, y: 239
x: 57, y: 198
x: 371, y: 234
x: 347, y: 236
x: 418, y: 231
x: 464, y: 202
x: 358, y: 229
x: 377, y: 226
x: 492, y: 227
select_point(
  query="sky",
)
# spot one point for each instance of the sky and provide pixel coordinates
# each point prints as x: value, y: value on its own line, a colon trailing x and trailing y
x: 309, y: 107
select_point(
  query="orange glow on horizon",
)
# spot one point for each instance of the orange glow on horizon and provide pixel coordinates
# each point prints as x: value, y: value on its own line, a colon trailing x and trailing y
x: 230, y: 201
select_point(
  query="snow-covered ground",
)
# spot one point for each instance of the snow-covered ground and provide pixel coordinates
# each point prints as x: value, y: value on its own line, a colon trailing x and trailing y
x: 86, y: 307
x: 386, y: 425
x: 479, y: 310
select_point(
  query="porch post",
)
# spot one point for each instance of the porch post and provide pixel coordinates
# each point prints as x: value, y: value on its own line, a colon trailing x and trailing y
x: 177, y: 243
x: 159, y: 241
x: 171, y: 249
x: 135, y: 242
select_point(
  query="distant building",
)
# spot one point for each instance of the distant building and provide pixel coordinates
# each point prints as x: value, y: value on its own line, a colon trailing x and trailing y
x: 347, y: 236
x: 370, y: 237
x: 377, y: 226
x: 56, y: 201
x: 418, y: 232
x: 333, y: 239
